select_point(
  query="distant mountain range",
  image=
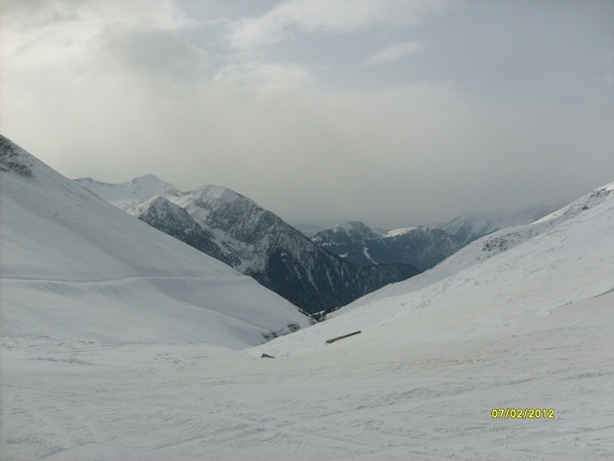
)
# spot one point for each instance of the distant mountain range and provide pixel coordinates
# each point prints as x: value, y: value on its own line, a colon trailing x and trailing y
x: 239, y: 232
x: 420, y: 247
x: 472, y: 226
x: 115, y: 336
x: 423, y: 247
x: 331, y: 268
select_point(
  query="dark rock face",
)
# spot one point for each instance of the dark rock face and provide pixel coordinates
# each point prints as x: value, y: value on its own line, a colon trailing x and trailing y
x: 422, y: 248
x: 176, y: 222
x: 323, y: 282
x: 287, y: 262
x: 357, y: 243
x: 11, y: 158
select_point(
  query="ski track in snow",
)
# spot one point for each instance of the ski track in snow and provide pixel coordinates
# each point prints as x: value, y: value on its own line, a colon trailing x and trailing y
x: 520, y: 319
x: 428, y: 401
x: 117, y: 280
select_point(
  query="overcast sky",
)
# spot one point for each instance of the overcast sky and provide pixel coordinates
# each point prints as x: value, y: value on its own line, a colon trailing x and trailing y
x: 390, y: 112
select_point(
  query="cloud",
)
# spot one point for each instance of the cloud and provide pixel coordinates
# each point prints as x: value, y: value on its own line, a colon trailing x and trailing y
x: 261, y: 76
x: 144, y: 14
x: 52, y: 45
x: 394, y: 53
x: 116, y: 89
x: 152, y: 52
x: 338, y: 16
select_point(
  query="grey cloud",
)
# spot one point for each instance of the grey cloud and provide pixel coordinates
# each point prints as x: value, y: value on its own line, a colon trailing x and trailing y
x: 155, y: 52
x: 114, y: 100
x: 340, y: 16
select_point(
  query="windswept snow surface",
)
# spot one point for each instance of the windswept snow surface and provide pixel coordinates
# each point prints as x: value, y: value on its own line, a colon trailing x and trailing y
x: 523, y: 322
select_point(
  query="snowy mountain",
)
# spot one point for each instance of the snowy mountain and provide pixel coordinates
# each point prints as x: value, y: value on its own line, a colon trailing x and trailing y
x: 76, y: 268
x: 425, y: 246
x: 420, y: 247
x: 173, y: 220
x: 503, y: 351
x: 355, y: 242
x: 471, y: 226
x: 521, y: 319
x: 501, y: 242
x: 252, y: 240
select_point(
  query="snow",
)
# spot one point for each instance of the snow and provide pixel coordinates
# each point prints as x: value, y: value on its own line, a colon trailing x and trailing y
x: 76, y: 268
x: 212, y: 193
x: 136, y: 195
x: 525, y: 321
x: 365, y: 251
x: 397, y: 232
x: 470, y: 226
x: 129, y: 194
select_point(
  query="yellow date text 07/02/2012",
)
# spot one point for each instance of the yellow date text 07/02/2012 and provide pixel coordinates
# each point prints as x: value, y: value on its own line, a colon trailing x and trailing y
x: 522, y: 413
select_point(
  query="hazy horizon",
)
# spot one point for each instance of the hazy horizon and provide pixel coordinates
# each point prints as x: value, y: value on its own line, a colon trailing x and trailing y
x: 391, y: 112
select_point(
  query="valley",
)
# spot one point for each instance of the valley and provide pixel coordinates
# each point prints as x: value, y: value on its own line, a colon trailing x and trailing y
x: 122, y: 342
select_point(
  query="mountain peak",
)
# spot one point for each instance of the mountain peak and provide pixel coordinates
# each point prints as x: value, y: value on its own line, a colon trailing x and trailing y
x: 355, y: 228
x: 582, y: 204
x: 347, y: 226
x: 342, y: 231
x: 218, y: 194
x: 131, y: 193
x: 148, y: 179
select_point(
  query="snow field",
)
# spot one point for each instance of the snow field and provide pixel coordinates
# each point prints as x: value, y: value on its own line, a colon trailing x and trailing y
x: 113, y: 347
x: 419, y: 382
x: 359, y: 398
x: 75, y: 267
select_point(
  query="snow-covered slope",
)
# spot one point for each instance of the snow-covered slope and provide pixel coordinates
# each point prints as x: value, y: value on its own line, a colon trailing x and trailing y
x: 519, y: 320
x: 173, y: 220
x: 510, y: 278
x: 471, y: 226
x: 255, y: 241
x: 494, y: 244
x: 75, y: 267
x: 132, y: 193
x: 422, y: 247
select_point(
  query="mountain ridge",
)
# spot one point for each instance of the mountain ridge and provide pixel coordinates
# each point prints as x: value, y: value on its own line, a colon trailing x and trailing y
x: 423, y: 246
x: 260, y: 244
x: 74, y: 267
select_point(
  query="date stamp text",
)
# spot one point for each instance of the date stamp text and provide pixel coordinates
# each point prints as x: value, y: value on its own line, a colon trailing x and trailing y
x: 522, y: 413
